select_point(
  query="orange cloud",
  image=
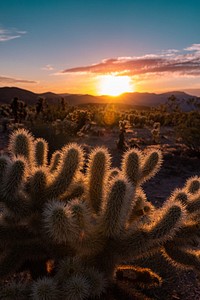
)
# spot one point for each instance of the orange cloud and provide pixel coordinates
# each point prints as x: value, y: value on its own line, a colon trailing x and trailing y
x: 182, y: 63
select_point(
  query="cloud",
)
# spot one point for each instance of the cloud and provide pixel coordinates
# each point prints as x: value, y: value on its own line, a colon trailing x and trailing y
x: 11, y: 80
x: 172, y: 61
x: 193, y: 47
x: 47, y: 68
x: 10, y: 34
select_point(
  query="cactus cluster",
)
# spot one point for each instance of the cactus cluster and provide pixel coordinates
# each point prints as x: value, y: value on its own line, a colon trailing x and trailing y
x: 79, y: 227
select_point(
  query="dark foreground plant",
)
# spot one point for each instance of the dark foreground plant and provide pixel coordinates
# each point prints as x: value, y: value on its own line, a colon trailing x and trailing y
x: 76, y: 231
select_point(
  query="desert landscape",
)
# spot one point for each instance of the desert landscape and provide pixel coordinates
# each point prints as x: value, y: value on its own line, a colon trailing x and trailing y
x: 120, y: 129
x: 99, y: 150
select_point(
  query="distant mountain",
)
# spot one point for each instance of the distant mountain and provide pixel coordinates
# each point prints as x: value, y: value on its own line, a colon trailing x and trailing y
x: 138, y: 100
x: 135, y: 99
x: 195, y: 92
x: 8, y: 93
x: 149, y: 99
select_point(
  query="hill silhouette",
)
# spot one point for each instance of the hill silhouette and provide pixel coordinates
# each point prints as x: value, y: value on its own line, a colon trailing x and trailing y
x: 8, y: 93
x: 135, y: 99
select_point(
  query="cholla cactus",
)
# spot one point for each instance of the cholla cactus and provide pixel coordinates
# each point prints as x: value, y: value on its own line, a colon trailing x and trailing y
x: 183, y: 251
x: 86, y: 224
x: 28, y: 183
x: 155, y: 132
x: 64, y: 126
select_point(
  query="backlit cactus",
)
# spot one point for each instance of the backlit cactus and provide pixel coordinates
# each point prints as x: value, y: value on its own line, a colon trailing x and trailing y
x: 155, y: 132
x: 21, y: 144
x: 97, y: 177
x: 87, y: 224
x: 183, y: 250
x: 41, y: 151
x: 139, y: 166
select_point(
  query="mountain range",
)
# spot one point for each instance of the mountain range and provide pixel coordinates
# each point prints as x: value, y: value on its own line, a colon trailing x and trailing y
x: 134, y: 99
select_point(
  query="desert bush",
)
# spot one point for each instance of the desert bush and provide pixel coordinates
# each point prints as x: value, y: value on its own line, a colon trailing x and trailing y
x: 55, y: 137
x: 190, y: 136
x: 188, y: 131
x: 86, y: 226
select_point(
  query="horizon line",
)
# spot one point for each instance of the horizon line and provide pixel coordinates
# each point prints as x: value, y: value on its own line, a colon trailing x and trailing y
x: 186, y: 91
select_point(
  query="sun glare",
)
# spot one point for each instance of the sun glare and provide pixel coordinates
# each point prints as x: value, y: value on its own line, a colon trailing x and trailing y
x: 115, y: 85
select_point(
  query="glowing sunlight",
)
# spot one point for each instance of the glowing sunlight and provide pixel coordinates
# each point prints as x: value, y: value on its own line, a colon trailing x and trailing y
x: 115, y: 85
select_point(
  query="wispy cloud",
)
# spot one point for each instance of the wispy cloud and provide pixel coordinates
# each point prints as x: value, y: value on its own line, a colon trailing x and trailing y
x: 47, y: 68
x: 10, y: 80
x: 193, y: 47
x: 10, y: 34
x: 180, y: 63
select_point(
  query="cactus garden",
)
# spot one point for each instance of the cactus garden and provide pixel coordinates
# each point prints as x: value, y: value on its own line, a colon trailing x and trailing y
x: 99, y: 150
x: 83, y: 229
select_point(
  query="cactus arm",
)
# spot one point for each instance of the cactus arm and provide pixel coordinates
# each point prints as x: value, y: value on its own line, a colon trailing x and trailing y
x: 41, y: 151
x: 143, y: 277
x: 13, y: 179
x: 68, y: 224
x: 194, y: 205
x: 4, y: 163
x: 192, y: 185
x: 98, y: 171
x: 21, y: 144
x: 55, y: 160
x: 37, y: 191
x: 56, y: 221
x: 71, y: 163
x: 150, y: 165
x: 179, y: 195
x: 167, y: 224
x: 188, y: 230
x: 144, y: 239
x: 12, y: 196
x: 183, y: 256
x: 116, y: 208
x: 131, y: 165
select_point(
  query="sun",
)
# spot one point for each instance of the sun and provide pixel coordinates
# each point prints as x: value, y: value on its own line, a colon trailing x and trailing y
x: 115, y: 85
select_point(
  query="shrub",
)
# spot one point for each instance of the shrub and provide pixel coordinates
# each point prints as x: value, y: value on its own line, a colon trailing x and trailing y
x: 188, y: 131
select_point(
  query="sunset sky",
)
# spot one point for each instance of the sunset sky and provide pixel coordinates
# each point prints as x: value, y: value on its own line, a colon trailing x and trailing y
x: 78, y: 46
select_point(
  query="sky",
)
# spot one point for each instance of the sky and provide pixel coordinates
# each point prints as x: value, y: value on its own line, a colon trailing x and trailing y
x: 76, y: 46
